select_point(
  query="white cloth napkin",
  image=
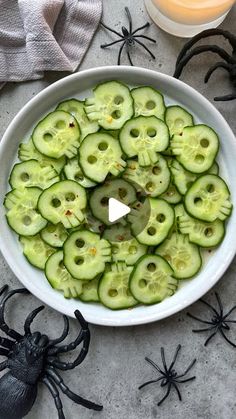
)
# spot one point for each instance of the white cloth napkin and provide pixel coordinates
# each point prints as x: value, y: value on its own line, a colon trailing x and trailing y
x: 40, y: 35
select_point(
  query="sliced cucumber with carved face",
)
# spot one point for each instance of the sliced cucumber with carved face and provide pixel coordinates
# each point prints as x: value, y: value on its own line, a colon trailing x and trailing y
x: 196, y: 148
x: 85, y: 254
x: 100, y: 154
x: 177, y: 119
x: 208, y: 199
x: 63, y: 203
x: 113, y: 287
x: 54, y: 234
x: 152, y: 280
x: 202, y: 233
x: 22, y: 215
x: 153, y: 179
x: 184, y: 257
x: 127, y: 250
x: 148, y: 102
x: 73, y: 171
x: 111, y: 105
x: 144, y: 137
x: 31, y: 173
x: 59, y: 277
x: 36, y: 250
x: 56, y: 135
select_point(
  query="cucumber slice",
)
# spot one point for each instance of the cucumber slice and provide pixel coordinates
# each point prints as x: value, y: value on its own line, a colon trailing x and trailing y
x: 100, y: 154
x: 90, y: 290
x: 60, y: 279
x: 31, y: 173
x: 202, y: 233
x: 160, y: 222
x: 27, y: 151
x: 171, y: 195
x: 127, y: 251
x: 117, y: 233
x: 54, y: 234
x: 63, y: 203
x: 93, y: 224
x: 111, y: 105
x: 113, y: 289
x: 36, y: 250
x: 177, y: 119
x: 148, y: 102
x: 153, y: 179
x: 208, y: 199
x: 57, y: 134
x: 23, y: 216
x: 118, y: 189
x: 85, y: 254
x: 76, y: 109
x: 74, y: 172
x: 144, y: 136
x: 152, y: 280
x: 113, y: 133
x: 196, y: 148
x: 182, y: 179
x: 214, y: 169
x: 183, y: 256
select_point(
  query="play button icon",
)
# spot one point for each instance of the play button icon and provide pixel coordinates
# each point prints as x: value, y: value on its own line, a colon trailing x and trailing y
x: 116, y: 210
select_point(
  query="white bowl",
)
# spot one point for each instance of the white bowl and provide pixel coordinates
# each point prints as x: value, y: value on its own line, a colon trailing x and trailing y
x: 80, y: 85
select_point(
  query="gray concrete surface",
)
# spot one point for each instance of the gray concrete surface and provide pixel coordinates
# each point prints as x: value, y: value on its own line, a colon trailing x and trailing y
x: 115, y: 366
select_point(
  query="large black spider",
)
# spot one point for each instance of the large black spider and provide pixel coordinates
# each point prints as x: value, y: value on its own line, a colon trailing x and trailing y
x: 229, y: 63
x: 168, y: 376
x: 218, y: 323
x: 32, y: 358
x: 128, y: 37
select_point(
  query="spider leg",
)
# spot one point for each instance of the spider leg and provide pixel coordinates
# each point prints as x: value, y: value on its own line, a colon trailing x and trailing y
x: 196, y: 51
x: 30, y: 318
x: 224, y: 336
x: 164, y: 360
x: 166, y: 395
x: 77, y: 399
x: 175, y: 357
x: 83, y: 335
x: 146, y: 37
x: 150, y: 382
x: 7, y: 343
x: 225, y: 98
x: 129, y: 19
x: 209, y: 305
x: 4, y: 352
x: 202, y: 35
x: 3, y: 326
x: 185, y: 381
x: 65, y: 332
x: 144, y: 46
x: 204, y: 330
x: 154, y: 365
x: 188, y: 369
x: 55, y: 394
x: 128, y: 55
x: 3, y: 289
x: 177, y: 390
x: 3, y: 365
x: 141, y: 27
x: 112, y: 43
x: 210, y: 337
x: 198, y: 319
x: 213, y: 68
x: 111, y: 30
x: 229, y: 312
x: 120, y: 51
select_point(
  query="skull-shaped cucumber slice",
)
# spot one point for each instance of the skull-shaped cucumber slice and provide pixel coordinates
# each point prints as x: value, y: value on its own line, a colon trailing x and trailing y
x: 63, y: 203
x: 31, y: 173
x: 36, y: 250
x: 85, y: 254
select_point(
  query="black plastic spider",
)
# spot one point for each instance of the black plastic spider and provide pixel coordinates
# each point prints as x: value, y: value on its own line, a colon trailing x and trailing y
x: 230, y: 60
x: 32, y: 358
x: 218, y: 322
x: 128, y: 38
x: 168, y: 376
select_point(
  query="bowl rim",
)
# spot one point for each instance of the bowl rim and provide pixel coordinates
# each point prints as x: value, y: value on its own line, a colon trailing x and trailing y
x: 96, y: 72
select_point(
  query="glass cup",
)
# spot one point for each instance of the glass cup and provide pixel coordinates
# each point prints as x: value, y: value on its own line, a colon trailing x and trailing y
x: 186, y: 18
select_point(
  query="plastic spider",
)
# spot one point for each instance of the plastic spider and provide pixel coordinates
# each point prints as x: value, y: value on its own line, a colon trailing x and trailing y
x: 128, y: 37
x: 33, y: 357
x: 168, y: 376
x: 218, y: 322
x: 229, y: 63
